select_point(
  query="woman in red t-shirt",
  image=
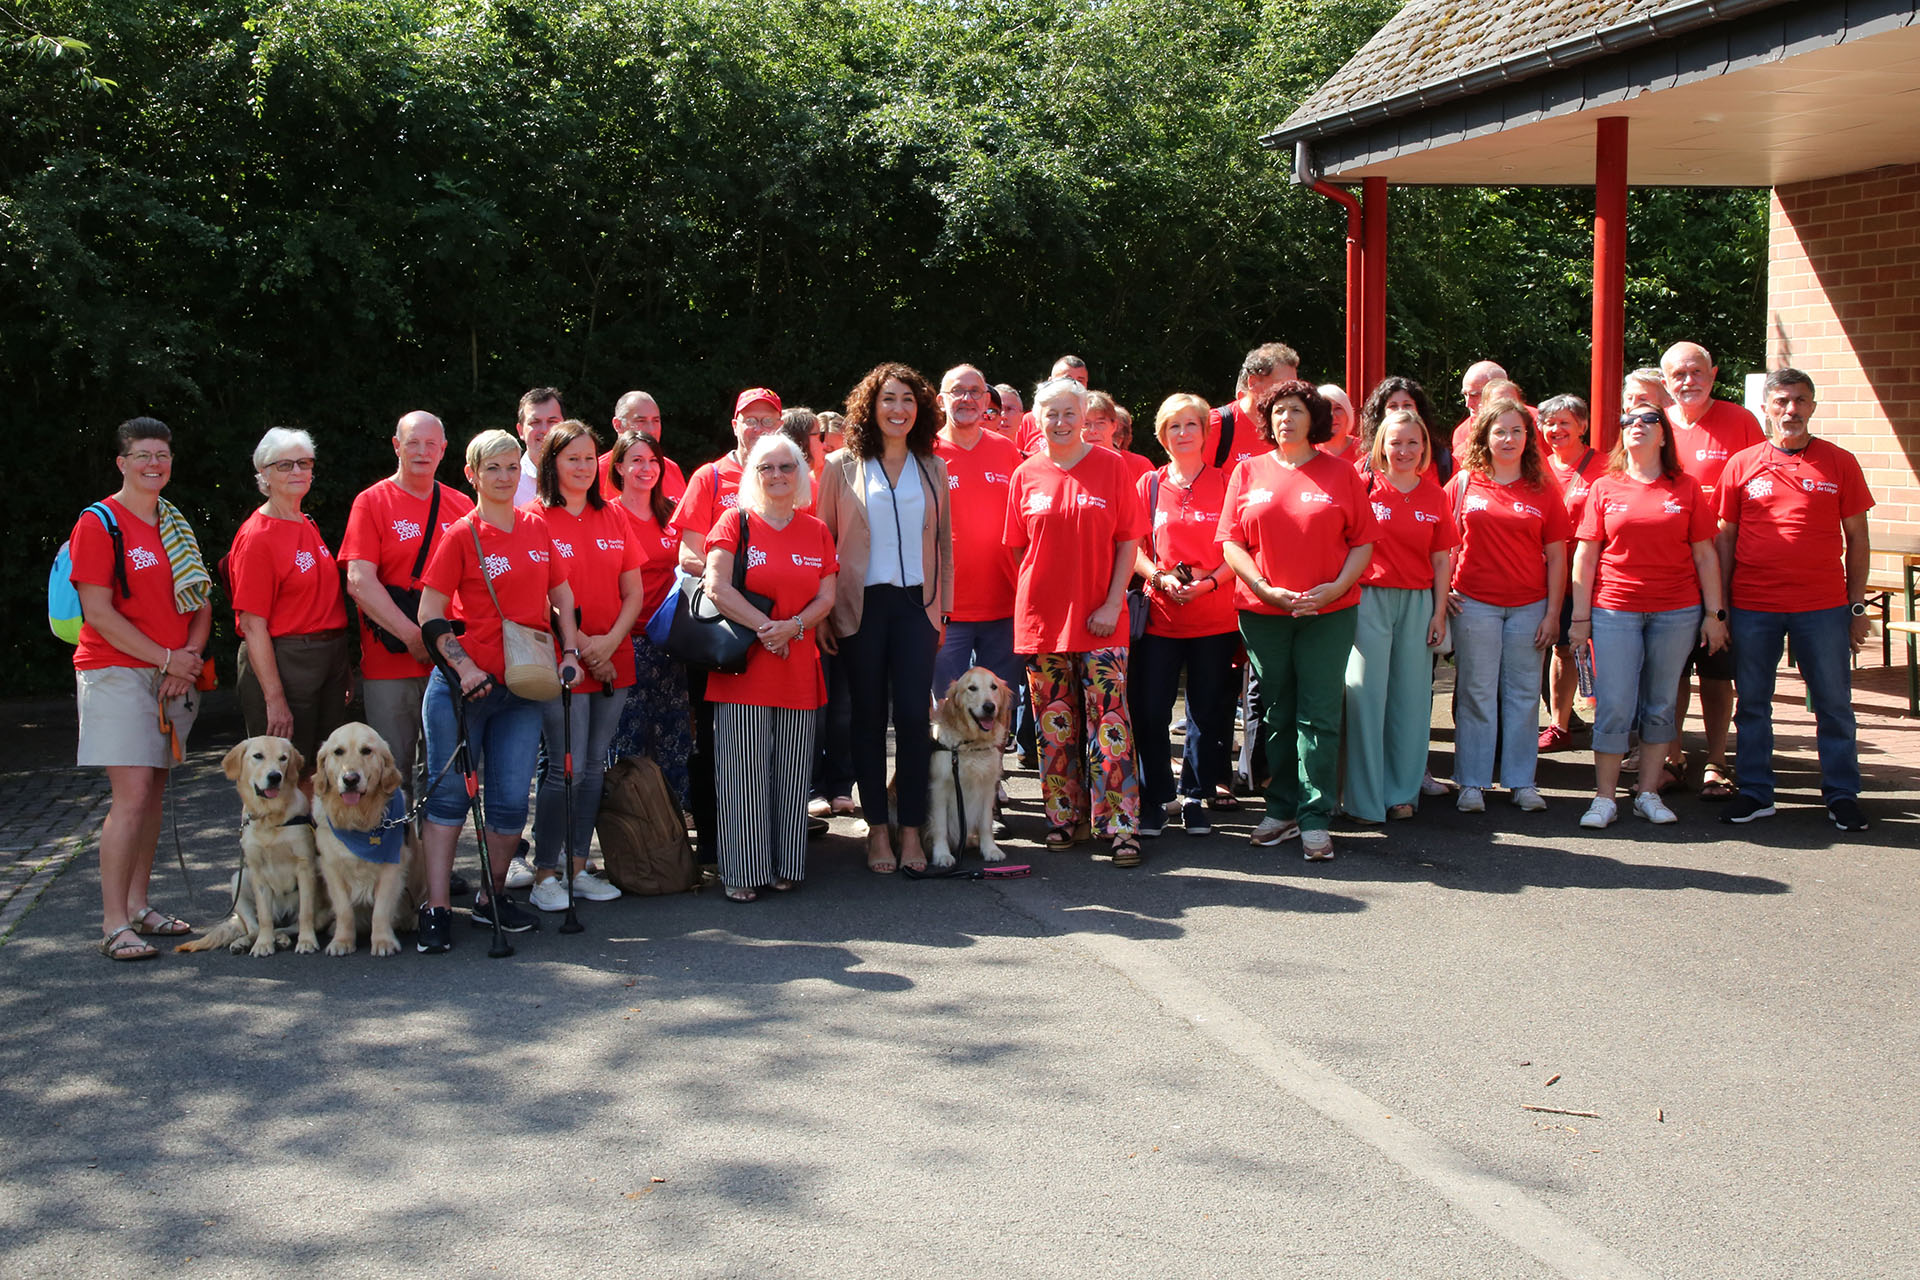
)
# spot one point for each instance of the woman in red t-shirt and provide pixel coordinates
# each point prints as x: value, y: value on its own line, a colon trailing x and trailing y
x: 1576, y: 464
x: 1191, y: 625
x: 1644, y: 564
x: 603, y: 562
x: 656, y: 722
x: 1401, y: 617
x: 1508, y: 579
x: 146, y: 624
x: 1298, y: 530
x: 289, y: 607
x: 494, y: 563
x: 763, y: 717
x: 1073, y: 508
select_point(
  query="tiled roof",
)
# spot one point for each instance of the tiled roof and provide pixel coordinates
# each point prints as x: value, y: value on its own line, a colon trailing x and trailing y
x: 1435, y: 41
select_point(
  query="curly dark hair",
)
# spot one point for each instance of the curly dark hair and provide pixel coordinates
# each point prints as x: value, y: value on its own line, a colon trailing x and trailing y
x: 1374, y: 411
x: 863, y: 427
x: 1478, y: 456
x: 1319, y: 412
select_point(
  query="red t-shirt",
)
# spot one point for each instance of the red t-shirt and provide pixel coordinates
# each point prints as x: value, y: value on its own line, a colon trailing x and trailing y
x: 785, y: 565
x: 983, y: 564
x: 595, y: 547
x: 1504, y: 532
x: 1298, y: 524
x: 521, y: 564
x: 384, y: 529
x: 283, y: 572
x: 1706, y: 447
x: 713, y: 490
x: 1353, y: 455
x: 671, y: 482
x: 1574, y: 481
x: 1646, y: 534
x: 149, y: 576
x: 1029, y: 439
x: 659, y: 554
x: 1246, y: 440
x: 1790, y: 555
x: 1069, y: 522
x: 1137, y: 464
x: 1183, y: 523
x: 1414, y: 527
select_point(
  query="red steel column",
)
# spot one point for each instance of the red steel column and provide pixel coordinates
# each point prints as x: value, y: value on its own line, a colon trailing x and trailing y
x: 1374, y: 302
x: 1355, y: 374
x: 1609, y: 277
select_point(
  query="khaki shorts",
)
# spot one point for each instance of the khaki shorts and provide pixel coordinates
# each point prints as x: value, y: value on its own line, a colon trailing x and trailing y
x: 120, y: 717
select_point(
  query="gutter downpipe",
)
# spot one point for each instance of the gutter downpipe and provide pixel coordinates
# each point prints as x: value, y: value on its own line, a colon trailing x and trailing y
x: 1356, y: 264
x: 1609, y: 276
x: 1373, y: 299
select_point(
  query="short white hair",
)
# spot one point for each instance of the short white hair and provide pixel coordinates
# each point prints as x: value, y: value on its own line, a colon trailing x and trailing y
x: 277, y: 443
x: 767, y: 448
x: 1054, y: 388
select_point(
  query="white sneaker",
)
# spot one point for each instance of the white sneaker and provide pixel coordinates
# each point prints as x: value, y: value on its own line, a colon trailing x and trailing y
x: 1529, y: 800
x: 819, y: 807
x: 1472, y: 800
x: 549, y: 895
x: 1272, y: 831
x: 592, y: 888
x: 1650, y: 806
x: 1600, y: 814
x: 519, y: 873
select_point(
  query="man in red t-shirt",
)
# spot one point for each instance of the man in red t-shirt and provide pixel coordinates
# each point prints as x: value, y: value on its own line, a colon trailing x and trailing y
x: 1231, y: 435
x: 1706, y: 434
x: 540, y: 412
x: 387, y: 539
x: 1794, y: 554
x: 1012, y: 410
x: 639, y: 411
x: 980, y: 466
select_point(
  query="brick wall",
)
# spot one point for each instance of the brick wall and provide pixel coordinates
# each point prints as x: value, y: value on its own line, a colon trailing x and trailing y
x: 1843, y: 303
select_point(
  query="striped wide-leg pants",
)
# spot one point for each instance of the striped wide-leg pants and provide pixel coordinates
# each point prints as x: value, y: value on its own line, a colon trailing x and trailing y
x: 763, y: 762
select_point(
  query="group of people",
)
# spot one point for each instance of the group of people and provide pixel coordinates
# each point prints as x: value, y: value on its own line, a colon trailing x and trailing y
x: 1313, y: 558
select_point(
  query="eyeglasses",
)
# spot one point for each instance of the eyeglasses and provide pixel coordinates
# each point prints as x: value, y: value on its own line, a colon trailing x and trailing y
x: 287, y: 466
x: 1647, y: 416
x: 967, y: 393
x: 148, y: 459
x: 761, y: 424
x: 989, y: 413
x: 777, y: 468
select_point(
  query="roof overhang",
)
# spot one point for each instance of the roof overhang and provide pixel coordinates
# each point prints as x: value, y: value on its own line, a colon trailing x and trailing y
x: 1778, y: 94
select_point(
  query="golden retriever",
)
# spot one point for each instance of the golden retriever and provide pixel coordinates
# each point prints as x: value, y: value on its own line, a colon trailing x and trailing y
x: 970, y: 725
x: 276, y: 882
x: 368, y: 867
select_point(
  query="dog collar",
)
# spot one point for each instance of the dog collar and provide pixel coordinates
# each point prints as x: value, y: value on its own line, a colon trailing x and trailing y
x: 384, y: 843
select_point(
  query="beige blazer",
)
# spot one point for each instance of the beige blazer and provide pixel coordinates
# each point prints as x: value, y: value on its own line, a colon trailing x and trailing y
x: 842, y: 505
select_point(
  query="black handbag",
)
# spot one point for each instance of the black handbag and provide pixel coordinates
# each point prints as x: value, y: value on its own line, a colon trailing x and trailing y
x: 407, y: 599
x: 701, y: 636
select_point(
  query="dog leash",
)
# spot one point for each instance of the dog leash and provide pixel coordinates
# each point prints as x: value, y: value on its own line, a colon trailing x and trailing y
x: 174, y: 756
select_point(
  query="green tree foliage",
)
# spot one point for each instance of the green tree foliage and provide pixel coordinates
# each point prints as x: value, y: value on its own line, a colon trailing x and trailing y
x: 324, y: 213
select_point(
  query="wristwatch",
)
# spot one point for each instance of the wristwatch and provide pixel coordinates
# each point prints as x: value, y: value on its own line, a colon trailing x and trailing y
x: 1859, y: 609
x: 1719, y: 615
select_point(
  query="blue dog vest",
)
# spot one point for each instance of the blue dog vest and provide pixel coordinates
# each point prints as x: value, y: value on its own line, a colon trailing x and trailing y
x: 382, y: 844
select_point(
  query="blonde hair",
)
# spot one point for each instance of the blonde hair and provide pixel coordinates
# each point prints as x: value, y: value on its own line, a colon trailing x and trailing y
x: 1377, y: 454
x: 753, y: 496
x: 489, y: 444
x: 1172, y: 405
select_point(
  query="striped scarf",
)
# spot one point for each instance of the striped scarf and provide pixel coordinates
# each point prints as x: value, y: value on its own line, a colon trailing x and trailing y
x: 191, y: 582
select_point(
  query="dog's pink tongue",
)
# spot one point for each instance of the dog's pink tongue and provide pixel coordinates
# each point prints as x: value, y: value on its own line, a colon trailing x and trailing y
x: 271, y: 792
x: 351, y: 797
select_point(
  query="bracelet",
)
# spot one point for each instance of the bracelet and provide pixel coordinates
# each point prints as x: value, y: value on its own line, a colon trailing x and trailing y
x: 797, y: 621
x: 1571, y: 621
x: 574, y: 652
x: 166, y: 662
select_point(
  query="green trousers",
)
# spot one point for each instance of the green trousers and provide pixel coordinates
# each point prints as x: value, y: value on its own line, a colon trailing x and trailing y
x: 1301, y: 663
x: 1389, y: 701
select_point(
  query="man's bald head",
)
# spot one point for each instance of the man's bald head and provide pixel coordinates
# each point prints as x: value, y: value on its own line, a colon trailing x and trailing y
x: 1690, y: 373
x: 637, y: 411
x: 963, y: 399
x: 1475, y: 380
x: 1072, y: 367
x: 419, y: 441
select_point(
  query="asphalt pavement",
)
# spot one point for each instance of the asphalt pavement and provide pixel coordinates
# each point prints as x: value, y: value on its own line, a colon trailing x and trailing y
x: 1227, y: 1062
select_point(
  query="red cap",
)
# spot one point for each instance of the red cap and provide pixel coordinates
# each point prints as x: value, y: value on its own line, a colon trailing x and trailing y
x: 752, y: 394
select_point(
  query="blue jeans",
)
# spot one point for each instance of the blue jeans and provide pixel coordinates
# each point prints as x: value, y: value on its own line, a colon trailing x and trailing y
x: 1637, y: 661
x: 595, y: 718
x: 1497, y: 667
x: 977, y: 644
x: 504, y: 730
x: 1823, y: 647
x: 1154, y: 664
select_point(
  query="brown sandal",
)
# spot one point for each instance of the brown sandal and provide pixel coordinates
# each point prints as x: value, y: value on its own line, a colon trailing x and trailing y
x: 1716, y: 783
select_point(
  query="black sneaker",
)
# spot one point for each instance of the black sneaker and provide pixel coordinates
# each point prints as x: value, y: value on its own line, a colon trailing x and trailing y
x: 1745, y: 808
x: 1153, y: 820
x: 1193, y: 816
x: 432, y: 938
x: 1846, y: 815
x: 514, y: 918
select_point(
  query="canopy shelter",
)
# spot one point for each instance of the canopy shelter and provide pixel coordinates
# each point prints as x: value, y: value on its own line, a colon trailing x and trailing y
x: 1817, y: 99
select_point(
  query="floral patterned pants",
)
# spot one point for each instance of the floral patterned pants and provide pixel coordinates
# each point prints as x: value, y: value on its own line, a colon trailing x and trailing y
x: 1086, y: 741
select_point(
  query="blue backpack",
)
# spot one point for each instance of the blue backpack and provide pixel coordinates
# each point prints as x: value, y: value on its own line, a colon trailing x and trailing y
x: 63, y: 599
